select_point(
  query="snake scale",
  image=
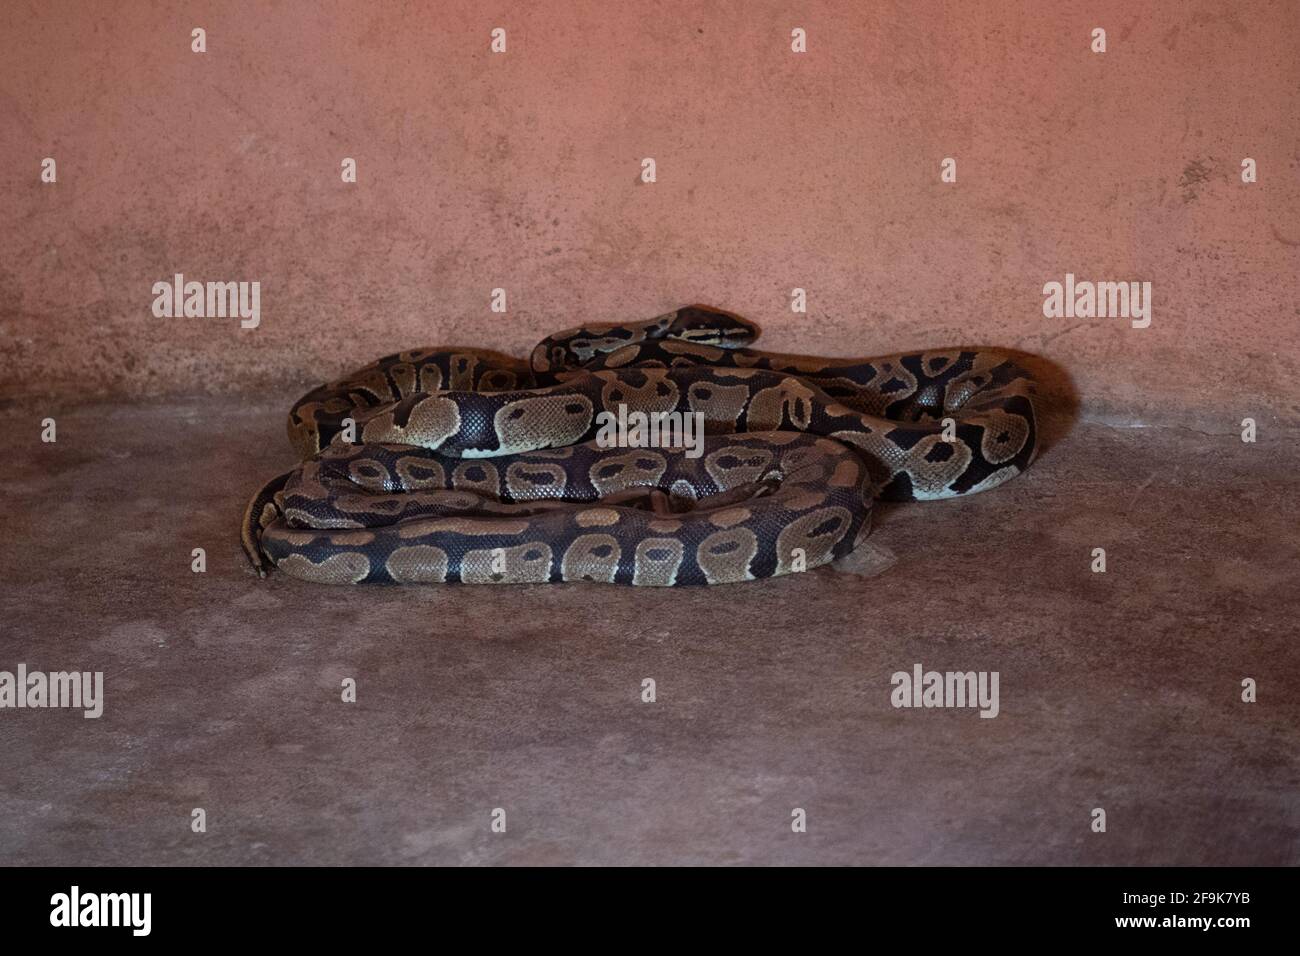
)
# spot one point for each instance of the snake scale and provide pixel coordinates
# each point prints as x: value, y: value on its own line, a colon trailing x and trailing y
x: 467, y: 466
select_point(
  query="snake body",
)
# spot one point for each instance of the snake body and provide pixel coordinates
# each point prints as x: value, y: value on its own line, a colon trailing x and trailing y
x: 466, y: 466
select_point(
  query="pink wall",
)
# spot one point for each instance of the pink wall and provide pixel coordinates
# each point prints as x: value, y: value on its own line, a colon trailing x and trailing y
x: 775, y: 170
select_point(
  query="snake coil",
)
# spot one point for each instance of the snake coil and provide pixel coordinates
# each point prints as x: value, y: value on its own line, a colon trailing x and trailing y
x: 466, y: 466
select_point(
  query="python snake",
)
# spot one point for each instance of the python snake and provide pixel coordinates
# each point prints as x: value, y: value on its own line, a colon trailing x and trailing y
x: 467, y: 466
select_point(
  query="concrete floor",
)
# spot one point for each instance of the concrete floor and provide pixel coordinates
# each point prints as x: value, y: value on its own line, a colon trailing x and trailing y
x: 1118, y: 690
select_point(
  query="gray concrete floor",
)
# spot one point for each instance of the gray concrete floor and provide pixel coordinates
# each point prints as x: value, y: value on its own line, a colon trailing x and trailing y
x: 1118, y: 690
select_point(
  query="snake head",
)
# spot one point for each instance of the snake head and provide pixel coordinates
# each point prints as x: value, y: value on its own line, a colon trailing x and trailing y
x: 712, y: 327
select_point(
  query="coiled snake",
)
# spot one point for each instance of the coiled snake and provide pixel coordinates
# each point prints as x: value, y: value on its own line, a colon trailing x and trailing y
x: 467, y: 466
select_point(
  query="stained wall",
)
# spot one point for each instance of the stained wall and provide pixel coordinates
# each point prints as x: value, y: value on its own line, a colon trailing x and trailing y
x: 775, y: 171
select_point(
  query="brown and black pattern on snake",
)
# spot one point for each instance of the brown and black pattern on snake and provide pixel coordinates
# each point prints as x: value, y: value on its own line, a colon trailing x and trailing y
x: 465, y: 454
x: 908, y: 454
x: 606, y: 518
x: 318, y: 416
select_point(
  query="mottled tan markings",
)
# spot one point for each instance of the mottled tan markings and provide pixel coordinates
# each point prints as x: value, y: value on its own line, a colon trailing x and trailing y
x: 725, y: 556
x: 642, y: 466
x: 729, y: 517
x: 596, y: 517
x: 530, y: 423
x: 657, y: 562
x: 336, y: 569
x: 847, y: 474
x: 770, y: 406
x: 1004, y: 436
x: 591, y: 557
x: 477, y: 474
x: 529, y: 480
x: 523, y: 564
x: 657, y: 394
x: 718, y: 402
x: 419, y: 527
x: 416, y: 473
x: 432, y: 421
x: 735, y: 465
x: 418, y: 564
x: 816, y: 533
